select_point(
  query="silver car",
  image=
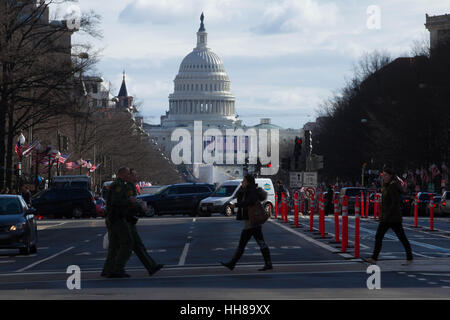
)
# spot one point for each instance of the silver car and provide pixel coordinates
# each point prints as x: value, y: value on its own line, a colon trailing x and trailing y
x: 444, y: 204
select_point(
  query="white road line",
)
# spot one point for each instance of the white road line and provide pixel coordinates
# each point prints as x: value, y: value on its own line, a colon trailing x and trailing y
x: 184, y: 254
x: 43, y: 260
x: 52, y: 226
x: 309, y: 239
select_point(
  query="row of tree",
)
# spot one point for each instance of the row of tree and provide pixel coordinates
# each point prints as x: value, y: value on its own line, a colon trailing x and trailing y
x: 393, y: 112
x: 42, y: 94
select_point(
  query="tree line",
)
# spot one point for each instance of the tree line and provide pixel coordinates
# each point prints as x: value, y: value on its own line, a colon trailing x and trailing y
x: 42, y: 91
x: 392, y: 112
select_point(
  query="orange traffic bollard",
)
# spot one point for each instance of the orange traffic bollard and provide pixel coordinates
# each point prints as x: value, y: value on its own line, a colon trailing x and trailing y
x: 296, y: 208
x: 336, y: 220
x: 344, y: 243
x: 311, y: 213
x: 357, y: 227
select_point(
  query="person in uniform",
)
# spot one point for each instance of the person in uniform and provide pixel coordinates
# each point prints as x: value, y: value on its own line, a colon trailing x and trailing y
x: 120, y: 247
x: 132, y: 219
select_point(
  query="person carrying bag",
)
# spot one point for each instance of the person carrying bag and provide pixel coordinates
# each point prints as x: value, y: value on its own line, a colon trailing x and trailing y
x: 249, y: 203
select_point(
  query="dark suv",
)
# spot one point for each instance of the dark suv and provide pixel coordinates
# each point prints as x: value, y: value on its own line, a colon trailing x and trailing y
x: 177, y: 198
x: 65, y: 202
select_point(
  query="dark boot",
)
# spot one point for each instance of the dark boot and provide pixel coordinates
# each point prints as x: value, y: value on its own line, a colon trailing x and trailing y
x: 267, y: 261
x: 232, y: 263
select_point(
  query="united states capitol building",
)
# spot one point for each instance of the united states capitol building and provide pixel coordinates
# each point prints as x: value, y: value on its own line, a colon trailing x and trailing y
x: 202, y: 92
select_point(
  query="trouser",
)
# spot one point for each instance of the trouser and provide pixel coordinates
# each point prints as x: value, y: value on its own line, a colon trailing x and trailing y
x: 245, y: 237
x: 120, y: 246
x: 140, y: 250
x: 383, y: 227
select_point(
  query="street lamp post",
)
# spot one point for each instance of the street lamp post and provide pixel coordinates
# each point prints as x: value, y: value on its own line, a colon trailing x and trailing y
x: 36, y: 181
x: 21, y: 141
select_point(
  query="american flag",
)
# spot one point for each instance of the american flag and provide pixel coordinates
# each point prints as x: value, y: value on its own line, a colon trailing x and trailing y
x: 63, y: 158
x: 94, y: 167
x: 26, y: 151
x: 72, y: 165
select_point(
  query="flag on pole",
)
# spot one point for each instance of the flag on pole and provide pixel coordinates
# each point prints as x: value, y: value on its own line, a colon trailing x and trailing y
x: 26, y: 151
x: 63, y: 158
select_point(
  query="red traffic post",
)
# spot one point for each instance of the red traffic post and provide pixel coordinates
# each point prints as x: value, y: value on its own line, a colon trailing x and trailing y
x: 416, y: 213
x: 296, y: 208
x: 357, y: 205
x: 284, y: 207
x: 431, y: 212
x: 375, y: 205
x: 322, y: 216
x: 276, y: 206
x: 311, y: 213
x: 367, y: 204
x: 362, y: 204
x: 344, y: 243
x: 336, y: 220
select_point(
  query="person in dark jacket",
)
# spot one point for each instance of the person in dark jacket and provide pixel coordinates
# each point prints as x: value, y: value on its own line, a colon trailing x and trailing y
x: 329, y: 201
x: 248, y: 196
x: 391, y: 216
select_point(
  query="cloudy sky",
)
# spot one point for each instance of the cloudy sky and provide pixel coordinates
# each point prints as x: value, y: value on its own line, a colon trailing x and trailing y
x: 284, y: 57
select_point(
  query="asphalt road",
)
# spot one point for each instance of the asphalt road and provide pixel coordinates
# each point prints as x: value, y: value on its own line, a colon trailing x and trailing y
x: 305, y: 265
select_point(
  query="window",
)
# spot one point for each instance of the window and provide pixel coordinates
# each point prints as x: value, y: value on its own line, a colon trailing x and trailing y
x: 9, y: 206
x: 173, y: 191
x: 186, y: 190
x: 203, y: 189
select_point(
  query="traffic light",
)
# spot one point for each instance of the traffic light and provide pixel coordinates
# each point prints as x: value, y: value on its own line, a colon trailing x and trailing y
x: 246, y: 166
x: 258, y: 167
x: 297, y: 152
x: 298, y: 146
x: 308, y: 142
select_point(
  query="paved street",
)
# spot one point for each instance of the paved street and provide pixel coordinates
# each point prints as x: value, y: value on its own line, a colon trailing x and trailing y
x: 305, y: 266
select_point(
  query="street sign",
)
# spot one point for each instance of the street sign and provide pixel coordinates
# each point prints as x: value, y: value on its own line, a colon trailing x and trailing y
x: 310, y: 179
x: 296, y: 179
x: 310, y: 192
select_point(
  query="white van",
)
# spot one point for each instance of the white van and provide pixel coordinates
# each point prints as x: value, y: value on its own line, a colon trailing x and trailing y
x: 224, y: 197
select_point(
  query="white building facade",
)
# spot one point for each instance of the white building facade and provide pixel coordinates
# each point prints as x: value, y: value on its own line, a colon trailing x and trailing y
x: 202, y: 92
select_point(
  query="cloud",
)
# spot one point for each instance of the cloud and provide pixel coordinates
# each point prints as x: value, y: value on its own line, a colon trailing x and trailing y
x: 156, y: 12
x: 296, y: 16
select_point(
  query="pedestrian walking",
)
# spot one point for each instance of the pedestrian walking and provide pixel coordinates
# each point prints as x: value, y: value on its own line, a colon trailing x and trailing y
x: 132, y: 219
x: 120, y: 240
x: 280, y: 189
x: 329, y: 206
x: 248, y: 197
x: 26, y: 195
x: 391, y: 216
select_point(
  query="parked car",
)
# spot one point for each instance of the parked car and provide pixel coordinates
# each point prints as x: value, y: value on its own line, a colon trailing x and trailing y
x: 436, y: 209
x: 177, y: 198
x: 18, y: 228
x: 424, y: 201
x: 150, y: 189
x: 100, y: 206
x: 223, y: 200
x: 444, y: 204
x: 351, y: 193
x: 65, y: 202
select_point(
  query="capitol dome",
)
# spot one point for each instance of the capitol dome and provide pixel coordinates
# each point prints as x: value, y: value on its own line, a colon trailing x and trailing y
x: 201, y: 88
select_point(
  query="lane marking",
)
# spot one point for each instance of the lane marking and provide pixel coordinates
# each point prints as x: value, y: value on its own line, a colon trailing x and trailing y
x: 420, y: 244
x: 309, y: 239
x: 43, y: 260
x: 51, y: 226
x: 184, y: 254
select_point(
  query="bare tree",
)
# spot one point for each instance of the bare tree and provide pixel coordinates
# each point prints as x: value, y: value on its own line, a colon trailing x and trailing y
x: 37, y: 69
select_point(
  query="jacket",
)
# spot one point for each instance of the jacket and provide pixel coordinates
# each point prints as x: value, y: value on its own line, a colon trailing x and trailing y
x: 247, y: 197
x: 390, y: 205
